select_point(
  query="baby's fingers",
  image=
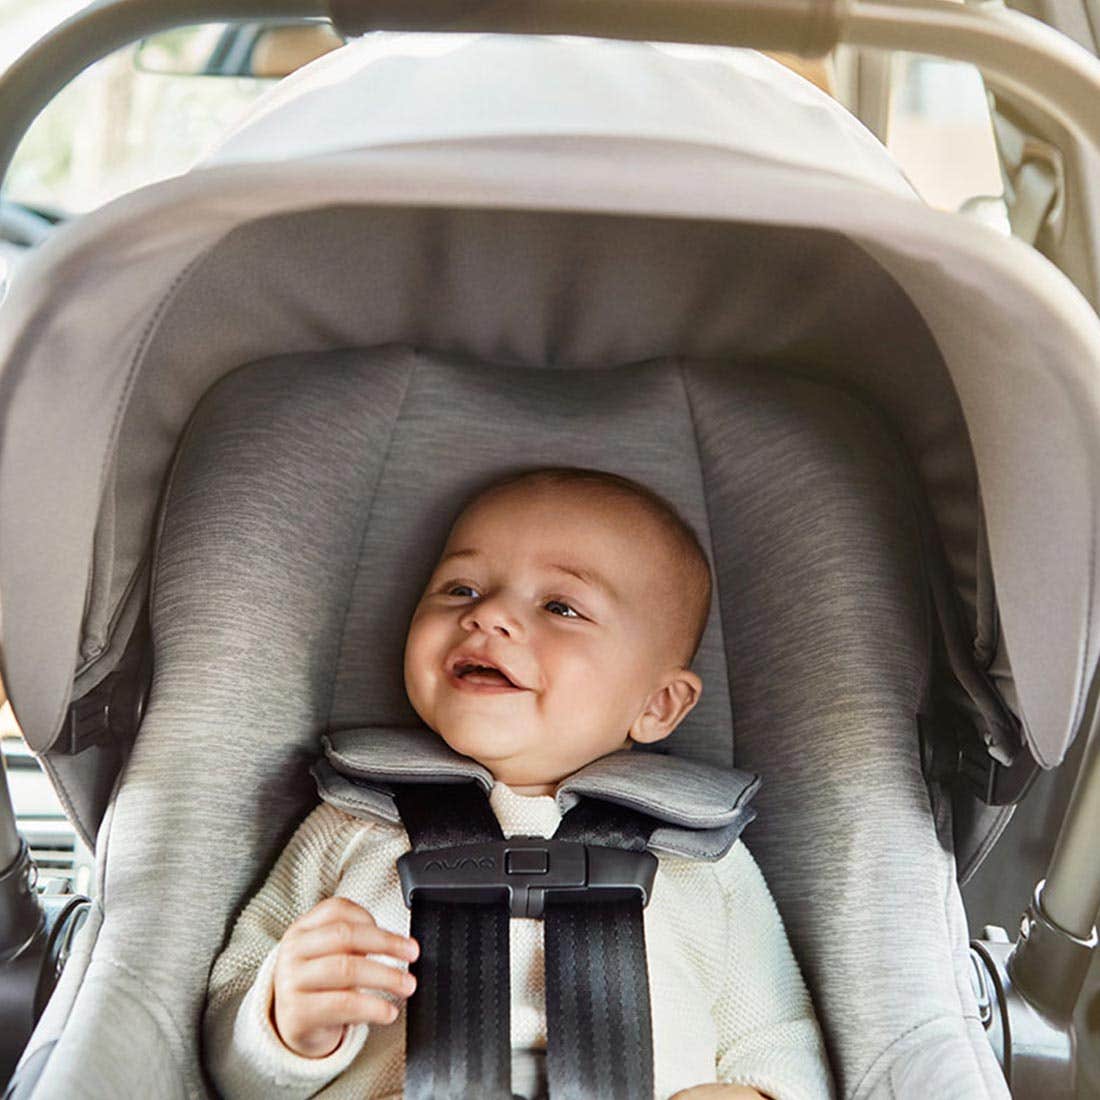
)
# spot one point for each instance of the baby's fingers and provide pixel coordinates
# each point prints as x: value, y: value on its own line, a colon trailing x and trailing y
x: 346, y: 937
x: 333, y: 909
x: 331, y: 1008
x: 352, y: 972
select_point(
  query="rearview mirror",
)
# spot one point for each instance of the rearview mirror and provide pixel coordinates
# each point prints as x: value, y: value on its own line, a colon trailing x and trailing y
x: 266, y: 51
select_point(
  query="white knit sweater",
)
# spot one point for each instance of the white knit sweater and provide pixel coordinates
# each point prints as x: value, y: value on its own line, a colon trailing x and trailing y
x: 728, y: 1002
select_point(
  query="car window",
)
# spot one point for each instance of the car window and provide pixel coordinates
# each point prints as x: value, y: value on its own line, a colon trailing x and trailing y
x: 940, y: 131
x: 65, y: 865
x: 116, y: 127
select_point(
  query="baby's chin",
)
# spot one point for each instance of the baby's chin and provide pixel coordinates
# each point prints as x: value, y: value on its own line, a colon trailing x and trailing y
x: 488, y: 743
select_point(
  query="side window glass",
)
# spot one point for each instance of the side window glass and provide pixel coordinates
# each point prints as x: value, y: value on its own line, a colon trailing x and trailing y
x: 119, y: 126
x: 941, y: 133
x: 64, y: 864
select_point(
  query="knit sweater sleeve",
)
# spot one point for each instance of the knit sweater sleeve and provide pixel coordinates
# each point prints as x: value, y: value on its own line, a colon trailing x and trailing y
x: 768, y: 1036
x: 243, y: 1052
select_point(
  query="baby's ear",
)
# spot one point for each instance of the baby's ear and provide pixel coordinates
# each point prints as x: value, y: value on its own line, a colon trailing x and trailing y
x: 667, y: 706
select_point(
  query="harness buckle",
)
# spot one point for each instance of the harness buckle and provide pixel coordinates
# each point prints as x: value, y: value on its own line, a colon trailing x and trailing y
x: 526, y: 871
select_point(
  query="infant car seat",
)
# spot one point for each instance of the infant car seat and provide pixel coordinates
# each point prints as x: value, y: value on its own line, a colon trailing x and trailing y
x: 339, y: 349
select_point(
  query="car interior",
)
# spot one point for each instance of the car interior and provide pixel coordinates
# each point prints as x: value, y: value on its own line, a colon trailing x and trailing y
x: 240, y: 407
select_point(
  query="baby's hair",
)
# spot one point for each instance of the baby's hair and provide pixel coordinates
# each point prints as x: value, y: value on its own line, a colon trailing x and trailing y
x: 684, y: 544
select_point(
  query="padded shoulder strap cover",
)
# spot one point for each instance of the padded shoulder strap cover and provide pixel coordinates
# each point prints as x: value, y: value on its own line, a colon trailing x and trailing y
x: 702, y: 808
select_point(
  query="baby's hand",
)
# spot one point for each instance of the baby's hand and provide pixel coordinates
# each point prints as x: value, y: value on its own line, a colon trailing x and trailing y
x: 323, y: 980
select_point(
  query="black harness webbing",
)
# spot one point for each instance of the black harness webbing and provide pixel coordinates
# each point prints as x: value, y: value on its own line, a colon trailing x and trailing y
x: 458, y: 1037
x: 599, y: 1034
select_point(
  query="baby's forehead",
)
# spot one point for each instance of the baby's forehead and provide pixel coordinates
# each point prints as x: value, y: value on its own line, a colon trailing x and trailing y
x: 607, y: 531
x: 566, y: 510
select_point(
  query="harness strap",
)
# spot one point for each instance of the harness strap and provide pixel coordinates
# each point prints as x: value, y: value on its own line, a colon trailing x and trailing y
x: 599, y: 1030
x: 458, y: 1031
x: 599, y: 1027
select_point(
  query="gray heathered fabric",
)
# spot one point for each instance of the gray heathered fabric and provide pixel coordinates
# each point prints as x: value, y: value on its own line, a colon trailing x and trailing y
x: 681, y: 792
x: 371, y: 802
x: 704, y: 844
x: 822, y: 597
x: 255, y: 564
x: 386, y: 754
x: 311, y: 496
x: 360, y: 799
x: 705, y: 808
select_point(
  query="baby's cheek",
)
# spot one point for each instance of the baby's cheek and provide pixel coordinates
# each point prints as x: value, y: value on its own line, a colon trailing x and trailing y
x: 418, y: 680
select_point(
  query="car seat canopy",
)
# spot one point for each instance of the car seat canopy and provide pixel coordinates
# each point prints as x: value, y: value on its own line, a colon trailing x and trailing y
x: 468, y: 241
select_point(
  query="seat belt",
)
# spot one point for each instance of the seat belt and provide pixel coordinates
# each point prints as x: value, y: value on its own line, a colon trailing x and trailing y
x: 463, y: 882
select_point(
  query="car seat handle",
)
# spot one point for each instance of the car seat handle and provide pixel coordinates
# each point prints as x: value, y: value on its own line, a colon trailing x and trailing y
x: 1023, y: 55
x: 807, y: 27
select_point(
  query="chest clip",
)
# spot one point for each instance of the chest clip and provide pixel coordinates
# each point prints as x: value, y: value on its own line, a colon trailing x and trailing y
x: 527, y: 871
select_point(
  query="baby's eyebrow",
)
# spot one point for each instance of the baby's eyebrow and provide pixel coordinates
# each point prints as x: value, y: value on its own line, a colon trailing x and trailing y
x: 588, y: 576
x: 470, y: 552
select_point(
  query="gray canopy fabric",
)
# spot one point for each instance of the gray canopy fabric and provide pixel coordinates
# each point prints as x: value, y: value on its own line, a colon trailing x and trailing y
x: 309, y: 501
x: 700, y: 202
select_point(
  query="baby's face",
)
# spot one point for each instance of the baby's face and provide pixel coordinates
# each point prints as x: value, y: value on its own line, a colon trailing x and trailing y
x: 583, y: 654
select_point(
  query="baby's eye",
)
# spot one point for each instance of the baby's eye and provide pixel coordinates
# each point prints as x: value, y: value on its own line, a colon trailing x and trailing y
x: 570, y: 613
x: 451, y: 591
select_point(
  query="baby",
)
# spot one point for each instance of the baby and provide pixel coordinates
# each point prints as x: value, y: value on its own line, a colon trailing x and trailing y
x: 589, y: 595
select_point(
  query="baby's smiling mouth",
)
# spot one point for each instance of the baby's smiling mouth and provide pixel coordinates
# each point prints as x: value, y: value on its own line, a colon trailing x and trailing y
x: 468, y: 670
x: 479, y: 674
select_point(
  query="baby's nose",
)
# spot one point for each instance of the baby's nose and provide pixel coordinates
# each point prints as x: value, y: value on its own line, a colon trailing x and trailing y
x: 491, y: 616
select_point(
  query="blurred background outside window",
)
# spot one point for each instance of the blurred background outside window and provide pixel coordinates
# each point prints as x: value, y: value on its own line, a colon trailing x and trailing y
x: 116, y: 127
x: 941, y: 134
